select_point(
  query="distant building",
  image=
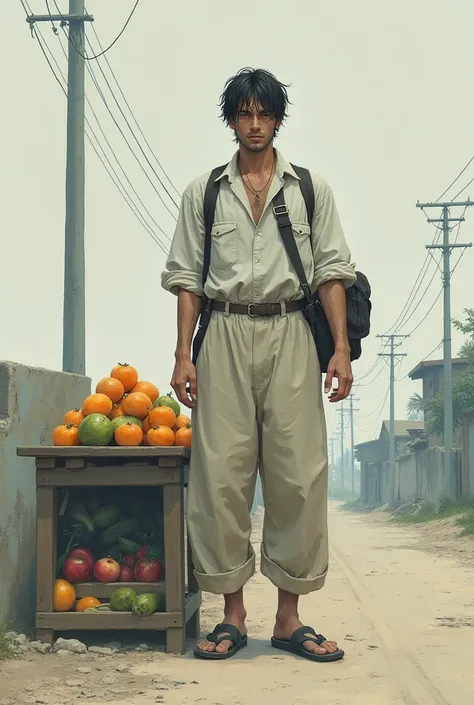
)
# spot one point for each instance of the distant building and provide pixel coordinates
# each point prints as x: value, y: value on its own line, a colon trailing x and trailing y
x: 431, y: 373
x: 373, y: 457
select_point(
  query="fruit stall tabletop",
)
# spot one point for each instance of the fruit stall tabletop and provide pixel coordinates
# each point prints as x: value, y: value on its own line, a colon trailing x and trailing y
x: 104, y: 451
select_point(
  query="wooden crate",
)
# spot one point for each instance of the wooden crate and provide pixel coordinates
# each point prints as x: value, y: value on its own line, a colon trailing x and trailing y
x: 68, y: 467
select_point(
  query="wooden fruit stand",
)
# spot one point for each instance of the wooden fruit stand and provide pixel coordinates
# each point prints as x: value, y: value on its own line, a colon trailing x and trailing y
x: 81, y: 467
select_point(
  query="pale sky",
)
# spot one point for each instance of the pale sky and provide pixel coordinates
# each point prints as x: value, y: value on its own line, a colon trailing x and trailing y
x: 382, y: 108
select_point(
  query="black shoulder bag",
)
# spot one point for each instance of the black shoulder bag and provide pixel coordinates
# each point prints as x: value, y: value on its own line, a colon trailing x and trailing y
x: 358, y: 302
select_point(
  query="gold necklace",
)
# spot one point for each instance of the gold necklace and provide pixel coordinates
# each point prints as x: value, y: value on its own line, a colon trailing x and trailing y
x: 254, y: 191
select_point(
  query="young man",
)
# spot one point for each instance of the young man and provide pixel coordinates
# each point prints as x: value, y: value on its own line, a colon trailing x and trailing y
x: 256, y: 390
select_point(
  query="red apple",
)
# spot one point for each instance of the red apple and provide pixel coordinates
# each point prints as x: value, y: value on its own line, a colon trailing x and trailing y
x: 148, y: 570
x: 77, y: 569
x: 107, y: 570
x: 81, y: 552
x: 129, y: 561
x: 126, y: 574
x: 141, y: 553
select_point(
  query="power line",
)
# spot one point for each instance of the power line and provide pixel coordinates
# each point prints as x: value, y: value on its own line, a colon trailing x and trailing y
x: 131, y: 113
x: 97, y: 149
x: 97, y: 56
x: 133, y: 116
x: 104, y: 100
x: 455, y: 180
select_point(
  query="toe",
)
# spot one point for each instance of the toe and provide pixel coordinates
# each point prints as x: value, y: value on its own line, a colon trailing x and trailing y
x: 224, y: 647
x: 314, y: 648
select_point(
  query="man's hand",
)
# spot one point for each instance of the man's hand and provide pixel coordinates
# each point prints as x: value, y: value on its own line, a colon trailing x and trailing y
x: 339, y: 367
x: 184, y: 381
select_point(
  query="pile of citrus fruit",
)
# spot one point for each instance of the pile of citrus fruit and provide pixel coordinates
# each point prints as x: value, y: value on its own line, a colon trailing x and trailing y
x: 125, y: 411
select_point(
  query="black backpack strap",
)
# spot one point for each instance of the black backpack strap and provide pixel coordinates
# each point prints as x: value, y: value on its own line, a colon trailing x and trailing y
x: 307, y: 190
x: 209, y: 208
x: 286, y: 230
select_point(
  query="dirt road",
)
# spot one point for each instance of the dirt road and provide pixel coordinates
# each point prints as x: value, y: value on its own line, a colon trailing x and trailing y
x: 403, y: 613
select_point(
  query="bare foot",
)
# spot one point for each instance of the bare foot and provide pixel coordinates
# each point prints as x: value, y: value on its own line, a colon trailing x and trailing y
x: 285, y: 626
x: 237, y: 620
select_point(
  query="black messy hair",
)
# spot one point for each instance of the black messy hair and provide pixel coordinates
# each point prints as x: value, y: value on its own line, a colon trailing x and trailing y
x: 254, y: 85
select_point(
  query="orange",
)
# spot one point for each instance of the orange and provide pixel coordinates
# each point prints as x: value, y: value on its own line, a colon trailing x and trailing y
x: 129, y: 434
x: 184, y: 436
x: 182, y: 421
x: 136, y: 404
x: 97, y: 404
x: 147, y: 388
x: 112, y: 388
x: 66, y: 435
x: 74, y: 417
x: 86, y: 602
x: 126, y: 374
x: 160, y: 436
x: 162, y: 416
x: 64, y: 595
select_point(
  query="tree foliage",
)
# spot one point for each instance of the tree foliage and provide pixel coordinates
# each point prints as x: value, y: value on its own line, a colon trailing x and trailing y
x: 463, y: 383
x: 415, y: 407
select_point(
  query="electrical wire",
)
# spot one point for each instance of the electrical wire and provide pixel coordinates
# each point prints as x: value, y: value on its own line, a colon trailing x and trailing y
x: 104, y: 99
x: 97, y: 149
x: 97, y: 56
x: 463, y: 189
x: 456, y: 180
x: 133, y: 115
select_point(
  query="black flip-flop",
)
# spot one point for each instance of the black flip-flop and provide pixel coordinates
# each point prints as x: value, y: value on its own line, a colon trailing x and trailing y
x: 222, y: 632
x: 294, y: 645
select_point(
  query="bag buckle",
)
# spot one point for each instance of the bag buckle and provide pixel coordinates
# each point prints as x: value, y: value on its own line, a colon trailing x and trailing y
x: 281, y: 210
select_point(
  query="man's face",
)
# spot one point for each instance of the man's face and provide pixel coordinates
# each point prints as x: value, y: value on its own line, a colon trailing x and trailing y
x: 254, y: 127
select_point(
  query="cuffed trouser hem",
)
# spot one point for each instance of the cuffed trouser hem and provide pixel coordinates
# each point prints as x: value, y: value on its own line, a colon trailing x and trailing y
x: 226, y: 583
x: 282, y: 580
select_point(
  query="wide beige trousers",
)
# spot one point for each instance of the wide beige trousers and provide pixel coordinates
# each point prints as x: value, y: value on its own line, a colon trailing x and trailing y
x: 260, y: 408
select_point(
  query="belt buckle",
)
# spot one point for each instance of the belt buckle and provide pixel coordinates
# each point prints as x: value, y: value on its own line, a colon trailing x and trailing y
x: 249, y: 311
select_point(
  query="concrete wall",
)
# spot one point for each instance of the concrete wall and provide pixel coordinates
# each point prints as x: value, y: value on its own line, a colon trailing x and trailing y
x: 421, y: 475
x: 468, y: 455
x: 32, y: 402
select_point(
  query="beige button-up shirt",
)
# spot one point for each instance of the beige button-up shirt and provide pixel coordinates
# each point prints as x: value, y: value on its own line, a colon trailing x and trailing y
x: 249, y: 262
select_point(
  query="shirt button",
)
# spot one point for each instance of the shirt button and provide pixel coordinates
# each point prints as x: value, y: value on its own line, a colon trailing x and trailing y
x: 257, y: 261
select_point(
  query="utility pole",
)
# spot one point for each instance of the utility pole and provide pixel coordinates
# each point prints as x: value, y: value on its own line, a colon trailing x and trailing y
x: 446, y: 249
x: 74, y: 352
x: 342, y: 445
x: 351, y: 410
x: 391, y: 453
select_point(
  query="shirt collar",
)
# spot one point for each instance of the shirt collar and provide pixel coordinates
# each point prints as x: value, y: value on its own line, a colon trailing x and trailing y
x: 282, y: 167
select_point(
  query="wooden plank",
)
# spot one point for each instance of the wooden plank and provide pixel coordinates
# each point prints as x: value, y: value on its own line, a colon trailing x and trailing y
x: 75, y: 463
x: 106, y: 590
x: 46, y: 636
x: 103, y: 452
x: 72, y: 621
x: 173, y: 510
x: 46, y: 515
x: 147, y: 475
x: 193, y: 619
x: 168, y: 462
x: 192, y: 604
x: 45, y: 463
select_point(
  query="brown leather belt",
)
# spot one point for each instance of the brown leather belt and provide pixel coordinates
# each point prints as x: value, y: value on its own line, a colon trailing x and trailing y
x: 259, y: 309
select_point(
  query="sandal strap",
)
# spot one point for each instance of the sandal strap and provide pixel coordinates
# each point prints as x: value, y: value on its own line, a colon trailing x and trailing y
x: 305, y: 634
x: 225, y: 632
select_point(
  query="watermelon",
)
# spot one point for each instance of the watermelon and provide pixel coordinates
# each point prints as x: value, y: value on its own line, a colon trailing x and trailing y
x: 96, y: 430
x: 120, y: 420
x: 167, y: 400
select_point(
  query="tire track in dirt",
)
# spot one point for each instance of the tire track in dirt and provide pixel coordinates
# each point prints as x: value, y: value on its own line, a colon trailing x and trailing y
x: 415, y: 685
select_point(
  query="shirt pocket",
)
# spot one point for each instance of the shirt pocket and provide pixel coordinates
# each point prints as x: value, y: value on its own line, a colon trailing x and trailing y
x: 302, y: 235
x: 223, y: 245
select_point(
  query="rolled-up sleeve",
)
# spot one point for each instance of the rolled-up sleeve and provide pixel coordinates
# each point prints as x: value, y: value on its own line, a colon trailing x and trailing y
x: 332, y: 257
x: 183, y: 268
